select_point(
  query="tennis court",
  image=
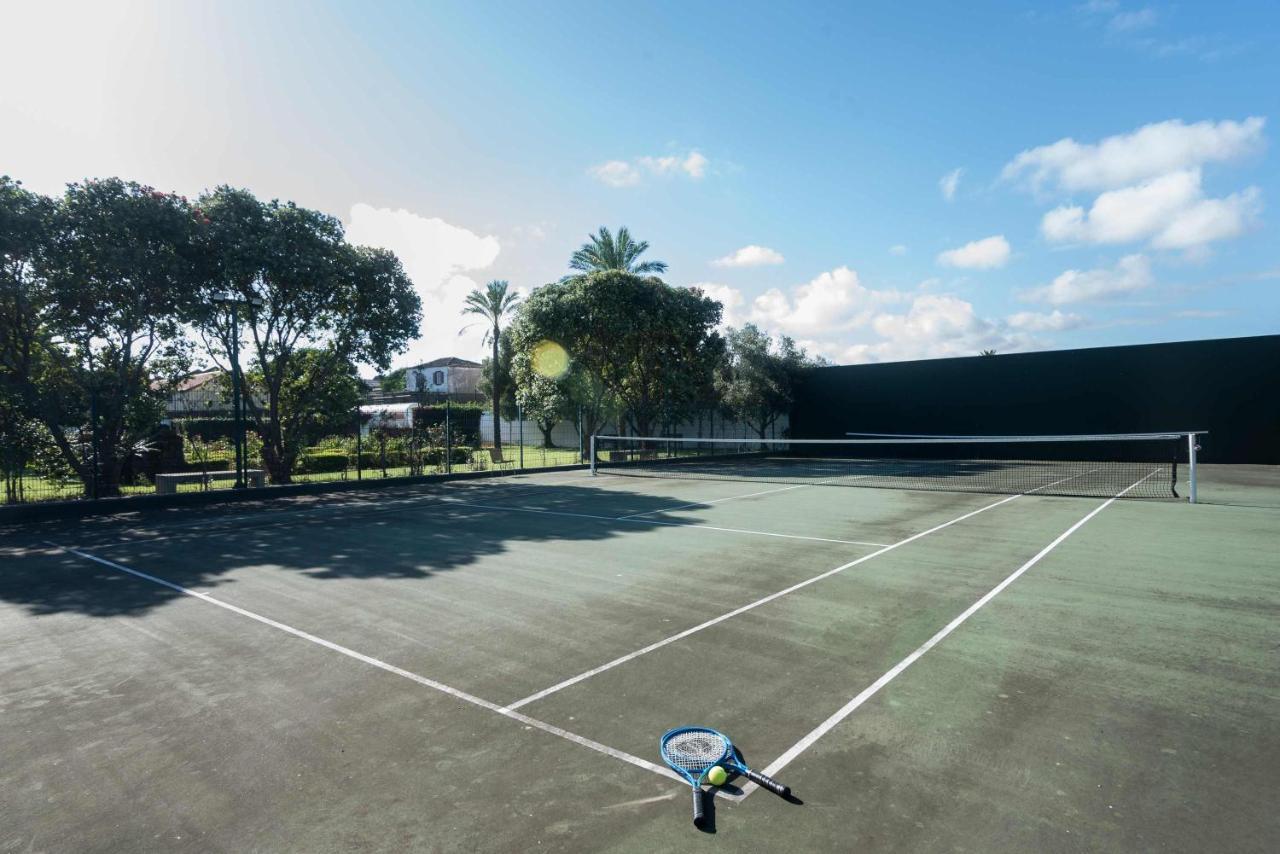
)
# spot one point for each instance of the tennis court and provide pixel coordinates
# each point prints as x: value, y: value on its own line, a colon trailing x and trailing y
x: 489, y: 665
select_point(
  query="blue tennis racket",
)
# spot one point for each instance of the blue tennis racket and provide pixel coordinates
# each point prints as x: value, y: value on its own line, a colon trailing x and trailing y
x: 692, y: 751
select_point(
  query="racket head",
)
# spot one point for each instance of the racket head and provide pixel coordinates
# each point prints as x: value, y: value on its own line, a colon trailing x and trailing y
x: 733, y: 761
x: 691, y: 751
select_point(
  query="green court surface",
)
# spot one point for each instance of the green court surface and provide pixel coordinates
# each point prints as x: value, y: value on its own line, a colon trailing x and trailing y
x: 488, y: 665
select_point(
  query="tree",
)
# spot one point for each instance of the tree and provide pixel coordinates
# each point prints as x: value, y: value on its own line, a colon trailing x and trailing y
x: 632, y: 339
x: 25, y: 220
x: 318, y: 396
x: 506, y: 384
x: 545, y: 400
x: 756, y: 379
x: 122, y: 274
x: 494, y: 304
x: 394, y: 381
x: 322, y: 305
x: 987, y: 353
x: 603, y: 251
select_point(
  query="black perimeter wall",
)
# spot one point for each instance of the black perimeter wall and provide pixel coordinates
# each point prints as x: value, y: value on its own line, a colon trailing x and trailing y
x: 1228, y: 386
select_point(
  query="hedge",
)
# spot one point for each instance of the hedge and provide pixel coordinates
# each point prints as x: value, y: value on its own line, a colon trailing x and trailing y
x: 214, y: 464
x: 323, y: 461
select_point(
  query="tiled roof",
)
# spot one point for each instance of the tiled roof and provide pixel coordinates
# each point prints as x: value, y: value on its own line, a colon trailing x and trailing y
x: 449, y: 362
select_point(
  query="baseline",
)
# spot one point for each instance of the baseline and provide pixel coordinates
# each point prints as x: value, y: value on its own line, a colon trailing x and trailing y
x: 382, y: 665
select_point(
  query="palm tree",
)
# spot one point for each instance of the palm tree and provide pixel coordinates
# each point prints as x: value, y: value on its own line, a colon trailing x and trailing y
x: 605, y: 252
x: 495, y: 303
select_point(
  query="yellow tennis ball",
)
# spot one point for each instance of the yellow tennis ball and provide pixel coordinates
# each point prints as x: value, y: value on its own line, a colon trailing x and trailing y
x: 716, y: 776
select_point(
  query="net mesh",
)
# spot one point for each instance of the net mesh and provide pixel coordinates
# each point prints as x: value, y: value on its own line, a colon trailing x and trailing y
x: 694, y: 750
x: 1139, y: 465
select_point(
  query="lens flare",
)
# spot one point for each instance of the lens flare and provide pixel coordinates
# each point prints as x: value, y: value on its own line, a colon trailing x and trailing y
x: 549, y: 359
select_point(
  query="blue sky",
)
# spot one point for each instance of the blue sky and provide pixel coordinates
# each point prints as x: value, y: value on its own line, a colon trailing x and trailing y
x: 881, y: 183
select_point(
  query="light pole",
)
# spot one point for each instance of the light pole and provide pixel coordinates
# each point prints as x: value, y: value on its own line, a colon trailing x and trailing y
x: 232, y: 302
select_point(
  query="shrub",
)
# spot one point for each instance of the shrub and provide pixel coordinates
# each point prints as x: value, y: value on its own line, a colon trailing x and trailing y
x: 315, y: 462
x: 435, y: 456
x: 217, y: 463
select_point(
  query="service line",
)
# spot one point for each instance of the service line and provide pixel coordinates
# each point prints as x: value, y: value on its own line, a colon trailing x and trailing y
x: 871, y: 690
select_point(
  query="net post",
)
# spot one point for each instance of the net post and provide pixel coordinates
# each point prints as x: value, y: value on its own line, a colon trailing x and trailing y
x: 593, y: 454
x: 1192, y: 447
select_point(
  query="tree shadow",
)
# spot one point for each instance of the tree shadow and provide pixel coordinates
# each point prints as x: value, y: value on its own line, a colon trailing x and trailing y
x: 406, y: 534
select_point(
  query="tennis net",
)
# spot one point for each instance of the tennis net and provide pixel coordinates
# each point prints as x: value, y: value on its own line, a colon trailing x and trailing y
x: 1144, y: 464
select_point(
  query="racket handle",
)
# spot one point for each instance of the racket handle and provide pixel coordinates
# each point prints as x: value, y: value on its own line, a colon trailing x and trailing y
x: 768, y: 783
x: 699, y: 811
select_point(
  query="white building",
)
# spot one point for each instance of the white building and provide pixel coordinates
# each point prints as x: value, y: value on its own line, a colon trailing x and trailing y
x: 449, y: 375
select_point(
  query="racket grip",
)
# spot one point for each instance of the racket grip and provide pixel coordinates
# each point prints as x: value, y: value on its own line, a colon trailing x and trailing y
x: 769, y: 783
x: 699, y: 809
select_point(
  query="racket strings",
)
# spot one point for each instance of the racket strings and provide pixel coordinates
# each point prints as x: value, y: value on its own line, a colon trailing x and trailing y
x: 695, y: 751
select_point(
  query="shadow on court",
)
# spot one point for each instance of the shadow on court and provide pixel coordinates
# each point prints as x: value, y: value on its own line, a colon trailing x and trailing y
x: 368, y: 537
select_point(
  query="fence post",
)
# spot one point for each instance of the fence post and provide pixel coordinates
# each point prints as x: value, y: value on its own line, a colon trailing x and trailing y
x: 520, y: 430
x: 1192, y: 447
x: 448, y: 437
x: 93, y: 439
x: 359, y: 447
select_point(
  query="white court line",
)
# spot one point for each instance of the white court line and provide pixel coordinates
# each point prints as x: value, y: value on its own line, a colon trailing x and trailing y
x: 660, y: 522
x: 595, y: 671
x: 390, y: 668
x: 867, y: 693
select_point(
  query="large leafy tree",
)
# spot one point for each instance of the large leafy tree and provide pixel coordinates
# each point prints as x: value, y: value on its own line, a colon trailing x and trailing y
x: 604, y: 251
x: 318, y: 396
x: 122, y: 274
x: 756, y: 379
x: 546, y: 400
x: 26, y: 220
x: 494, y: 305
x: 321, y: 305
x: 633, y: 340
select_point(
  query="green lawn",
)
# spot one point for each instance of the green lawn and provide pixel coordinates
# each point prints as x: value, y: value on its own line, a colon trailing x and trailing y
x: 35, y: 488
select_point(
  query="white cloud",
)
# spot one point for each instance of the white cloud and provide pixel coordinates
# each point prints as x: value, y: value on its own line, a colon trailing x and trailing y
x: 1131, y: 273
x: 1211, y: 219
x: 616, y: 173
x: 731, y: 298
x: 693, y: 164
x: 949, y: 182
x: 1127, y: 22
x: 1170, y: 211
x: 436, y: 256
x: 1150, y: 151
x: 836, y: 316
x: 934, y: 326
x: 898, y: 249
x: 985, y: 254
x: 1054, y: 321
x: 629, y: 173
x: 831, y: 303
x: 750, y: 256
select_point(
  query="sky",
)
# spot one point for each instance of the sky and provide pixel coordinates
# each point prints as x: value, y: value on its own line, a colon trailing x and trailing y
x: 879, y: 182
